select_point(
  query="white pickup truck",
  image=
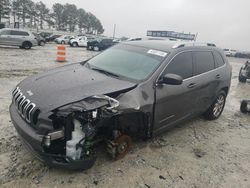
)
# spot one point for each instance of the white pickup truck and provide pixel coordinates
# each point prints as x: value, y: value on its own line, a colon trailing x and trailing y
x: 80, y: 41
x: 230, y: 52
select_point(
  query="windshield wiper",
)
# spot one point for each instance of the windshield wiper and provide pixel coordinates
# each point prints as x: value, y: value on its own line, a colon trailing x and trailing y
x: 105, y: 72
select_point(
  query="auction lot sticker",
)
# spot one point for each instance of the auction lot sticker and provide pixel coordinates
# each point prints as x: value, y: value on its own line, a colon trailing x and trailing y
x: 157, y: 52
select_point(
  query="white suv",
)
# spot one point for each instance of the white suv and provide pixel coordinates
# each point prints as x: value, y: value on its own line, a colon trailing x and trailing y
x: 64, y: 39
x: 230, y: 53
x: 17, y: 37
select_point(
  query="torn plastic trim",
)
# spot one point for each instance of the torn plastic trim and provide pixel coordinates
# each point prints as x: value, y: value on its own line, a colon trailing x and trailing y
x: 112, y: 102
x: 88, y: 104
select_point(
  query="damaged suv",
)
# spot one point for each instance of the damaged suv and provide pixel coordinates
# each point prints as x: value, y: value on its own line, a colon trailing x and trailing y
x: 134, y: 89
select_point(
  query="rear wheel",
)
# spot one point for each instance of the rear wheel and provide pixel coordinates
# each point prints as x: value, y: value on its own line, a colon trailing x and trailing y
x: 26, y: 45
x: 63, y: 42
x: 42, y: 43
x: 217, y: 107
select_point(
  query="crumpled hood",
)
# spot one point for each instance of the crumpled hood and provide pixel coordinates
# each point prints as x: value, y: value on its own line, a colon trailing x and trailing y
x: 68, y: 84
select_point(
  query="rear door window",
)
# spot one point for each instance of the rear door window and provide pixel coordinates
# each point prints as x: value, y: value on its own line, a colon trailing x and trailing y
x: 203, y: 62
x: 218, y: 59
x: 181, y: 65
x: 19, y: 33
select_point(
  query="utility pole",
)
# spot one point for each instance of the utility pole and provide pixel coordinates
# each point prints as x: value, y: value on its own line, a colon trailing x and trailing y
x: 196, y: 36
x: 114, y: 31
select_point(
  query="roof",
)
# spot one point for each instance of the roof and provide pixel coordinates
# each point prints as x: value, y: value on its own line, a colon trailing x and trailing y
x: 163, y: 45
x: 167, y: 45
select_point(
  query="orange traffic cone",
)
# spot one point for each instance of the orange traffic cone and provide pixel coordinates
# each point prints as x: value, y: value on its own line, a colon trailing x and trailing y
x: 61, y: 53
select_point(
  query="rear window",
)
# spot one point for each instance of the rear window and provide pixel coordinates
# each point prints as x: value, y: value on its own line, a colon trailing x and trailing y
x: 203, y: 62
x: 20, y: 33
x: 218, y: 59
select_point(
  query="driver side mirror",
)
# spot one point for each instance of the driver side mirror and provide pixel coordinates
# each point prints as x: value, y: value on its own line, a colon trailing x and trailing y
x: 171, y: 79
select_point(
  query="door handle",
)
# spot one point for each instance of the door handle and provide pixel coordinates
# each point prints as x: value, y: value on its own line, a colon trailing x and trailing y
x: 217, y: 76
x: 192, y: 85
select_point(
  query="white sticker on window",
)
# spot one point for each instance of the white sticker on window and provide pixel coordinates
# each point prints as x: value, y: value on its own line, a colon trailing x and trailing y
x: 157, y: 52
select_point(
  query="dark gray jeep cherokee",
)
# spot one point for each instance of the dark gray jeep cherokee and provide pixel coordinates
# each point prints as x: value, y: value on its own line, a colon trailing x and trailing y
x: 132, y: 89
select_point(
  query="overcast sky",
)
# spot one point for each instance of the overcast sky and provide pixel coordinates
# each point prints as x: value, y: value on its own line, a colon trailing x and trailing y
x: 224, y: 22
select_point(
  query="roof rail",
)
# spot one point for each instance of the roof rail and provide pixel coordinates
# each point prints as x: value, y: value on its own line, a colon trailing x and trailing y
x: 181, y: 45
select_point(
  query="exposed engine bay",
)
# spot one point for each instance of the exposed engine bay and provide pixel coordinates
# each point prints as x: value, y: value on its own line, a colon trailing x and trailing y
x: 81, y: 126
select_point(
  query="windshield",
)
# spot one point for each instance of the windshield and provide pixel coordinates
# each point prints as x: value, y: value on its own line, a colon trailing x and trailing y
x: 128, y: 61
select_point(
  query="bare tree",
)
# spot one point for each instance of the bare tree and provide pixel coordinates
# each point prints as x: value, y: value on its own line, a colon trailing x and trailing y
x: 42, y: 12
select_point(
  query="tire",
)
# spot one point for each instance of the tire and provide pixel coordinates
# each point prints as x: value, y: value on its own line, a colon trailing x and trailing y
x: 242, y: 79
x: 42, y: 43
x: 215, y: 110
x: 27, y: 45
x: 89, y: 47
x: 243, y: 107
x: 74, y: 44
x: 96, y: 48
x: 63, y: 42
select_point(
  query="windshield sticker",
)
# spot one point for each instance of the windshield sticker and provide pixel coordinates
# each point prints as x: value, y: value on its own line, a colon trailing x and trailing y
x: 156, y: 52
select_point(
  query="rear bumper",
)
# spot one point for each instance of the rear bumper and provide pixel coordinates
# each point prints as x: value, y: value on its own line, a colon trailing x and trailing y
x: 33, y: 142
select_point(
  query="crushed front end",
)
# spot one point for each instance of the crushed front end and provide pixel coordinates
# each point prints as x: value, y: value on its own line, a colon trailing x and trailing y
x: 67, y: 136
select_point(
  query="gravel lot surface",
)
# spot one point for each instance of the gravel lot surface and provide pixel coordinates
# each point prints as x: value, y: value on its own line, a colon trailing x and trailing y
x: 198, y: 153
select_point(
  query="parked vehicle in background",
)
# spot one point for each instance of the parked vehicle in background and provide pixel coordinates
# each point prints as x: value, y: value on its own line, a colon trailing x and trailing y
x: 245, y: 72
x: 80, y: 41
x: 64, y: 39
x: 45, y: 34
x: 134, y: 39
x: 17, y: 37
x: 51, y: 38
x: 230, y: 53
x: 100, y: 44
x: 134, y: 89
x: 40, y: 40
x: 243, y: 55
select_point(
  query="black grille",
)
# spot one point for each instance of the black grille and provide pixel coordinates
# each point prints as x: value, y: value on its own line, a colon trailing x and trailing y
x: 24, y: 106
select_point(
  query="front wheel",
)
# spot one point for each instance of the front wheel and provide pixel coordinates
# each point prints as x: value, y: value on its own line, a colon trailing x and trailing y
x: 217, y: 107
x: 244, y: 106
x: 63, y: 42
x: 123, y: 146
x: 96, y: 48
x: 74, y: 44
x: 242, y: 78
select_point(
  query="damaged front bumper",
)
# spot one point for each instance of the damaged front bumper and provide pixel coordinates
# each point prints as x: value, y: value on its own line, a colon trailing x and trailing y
x: 34, y: 141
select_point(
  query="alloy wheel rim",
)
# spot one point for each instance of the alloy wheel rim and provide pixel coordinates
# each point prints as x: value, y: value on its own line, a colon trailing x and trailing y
x: 218, y: 107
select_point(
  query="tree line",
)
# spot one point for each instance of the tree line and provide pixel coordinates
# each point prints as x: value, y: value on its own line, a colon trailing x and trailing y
x: 63, y: 17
